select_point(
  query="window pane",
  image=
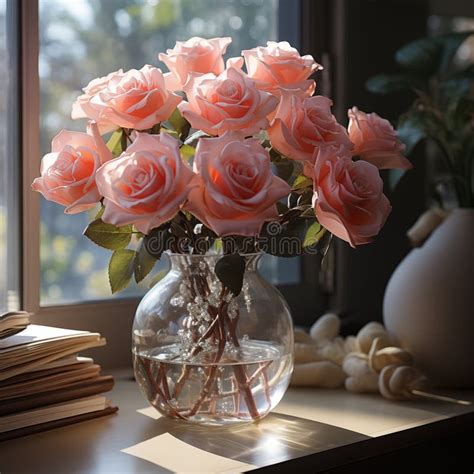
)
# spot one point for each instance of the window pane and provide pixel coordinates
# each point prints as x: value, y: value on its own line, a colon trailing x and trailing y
x: 84, y: 39
x: 9, y: 180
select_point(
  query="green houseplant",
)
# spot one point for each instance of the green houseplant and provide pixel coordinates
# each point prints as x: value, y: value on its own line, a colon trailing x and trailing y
x: 427, y: 304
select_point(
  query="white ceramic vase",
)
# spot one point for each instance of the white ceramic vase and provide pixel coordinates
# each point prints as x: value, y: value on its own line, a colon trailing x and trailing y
x: 429, y: 303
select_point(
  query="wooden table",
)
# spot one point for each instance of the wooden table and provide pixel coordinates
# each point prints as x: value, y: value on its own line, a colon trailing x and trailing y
x: 311, y: 430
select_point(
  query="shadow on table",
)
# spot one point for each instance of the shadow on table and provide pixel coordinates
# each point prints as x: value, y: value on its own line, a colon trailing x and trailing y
x: 274, y: 439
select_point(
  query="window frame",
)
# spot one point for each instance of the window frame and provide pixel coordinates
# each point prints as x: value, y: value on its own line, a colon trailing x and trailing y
x: 113, y: 318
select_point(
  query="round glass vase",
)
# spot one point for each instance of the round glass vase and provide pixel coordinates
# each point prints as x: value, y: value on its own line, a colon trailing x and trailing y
x: 204, y: 356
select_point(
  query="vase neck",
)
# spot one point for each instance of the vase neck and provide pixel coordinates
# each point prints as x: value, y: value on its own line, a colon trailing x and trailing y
x: 181, y: 262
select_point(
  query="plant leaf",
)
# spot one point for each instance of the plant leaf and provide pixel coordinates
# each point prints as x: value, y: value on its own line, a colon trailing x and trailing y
x: 144, y: 262
x: 431, y: 55
x: 313, y: 234
x: 301, y: 182
x: 121, y: 269
x: 389, y: 83
x: 108, y: 236
x: 230, y: 271
x: 177, y: 121
x: 115, y: 143
x: 410, y: 131
x: 421, y: 55
x: 187, y: 152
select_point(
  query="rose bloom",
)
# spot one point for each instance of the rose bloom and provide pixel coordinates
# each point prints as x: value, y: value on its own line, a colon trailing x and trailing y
x: 68, y: 172
x: 146, y: 185
x: 135, y: 99
x: 348, y: 196
x: 194, y: 55
x: 229, y: 101
x: 237, y: 191
x: 278, y: 65
x: 376, y: 141
x: 302, y: 125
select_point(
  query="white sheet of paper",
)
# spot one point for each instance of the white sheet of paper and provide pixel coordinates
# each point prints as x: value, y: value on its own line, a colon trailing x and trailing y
x: 171, y: 453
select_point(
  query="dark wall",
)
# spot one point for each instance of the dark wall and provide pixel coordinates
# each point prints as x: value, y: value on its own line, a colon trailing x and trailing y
x: 373, y: 31
x: 356, y: 40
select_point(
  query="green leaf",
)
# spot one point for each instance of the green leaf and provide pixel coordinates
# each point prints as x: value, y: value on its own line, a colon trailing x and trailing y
x: 187, y: 152
x: 230, y: 271
x: 313, y: 234
x: 450, y: 44
x: 100, y: 212
x: 108, y: 236
x: 218, y: 245
x: 301, y: 182
x: 460, y: 113
x: 144, y: 262
x: 177, y: 121
x: 429, y: 56
x: 173, y: 133
x: 121, y: 268
x: 411, y: 130
x: 115, y: 143
x: 281, y: 207
x: 421, y: 55
x: 155, y: 130
x: 389, y: 83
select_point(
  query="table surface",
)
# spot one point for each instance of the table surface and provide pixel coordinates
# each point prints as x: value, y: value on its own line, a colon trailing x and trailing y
x: 334, y: 425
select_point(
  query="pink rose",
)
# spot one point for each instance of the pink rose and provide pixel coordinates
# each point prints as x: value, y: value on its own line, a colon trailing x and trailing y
x: 134, y: 99
x: 280, y: 66
x: 376, y: 141
x: 237, y: 191
x: 302, y: 125
x: 146, y: 185
x: 229, y: 101
x: 194, y: 55
x: 68, y: 172
x: 348, y: 196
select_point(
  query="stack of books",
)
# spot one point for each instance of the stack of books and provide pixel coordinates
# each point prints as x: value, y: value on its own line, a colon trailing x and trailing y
x: 43, y: 382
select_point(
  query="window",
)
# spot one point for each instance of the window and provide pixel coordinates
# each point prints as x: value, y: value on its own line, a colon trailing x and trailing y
x: 9, y: 153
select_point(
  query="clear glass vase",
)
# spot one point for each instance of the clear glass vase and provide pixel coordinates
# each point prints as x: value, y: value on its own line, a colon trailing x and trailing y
x: 204, y: 356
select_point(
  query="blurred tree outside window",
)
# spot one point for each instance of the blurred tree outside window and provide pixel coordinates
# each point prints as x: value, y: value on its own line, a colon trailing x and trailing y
x: 84, y: 39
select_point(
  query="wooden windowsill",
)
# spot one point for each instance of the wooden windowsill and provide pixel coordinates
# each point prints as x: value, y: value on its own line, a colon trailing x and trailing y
x: 311, y: 429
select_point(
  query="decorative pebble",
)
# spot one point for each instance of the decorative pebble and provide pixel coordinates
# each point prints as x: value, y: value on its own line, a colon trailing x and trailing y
x: 302, y: 336
x: 368, y: 333
x: 351, y: 344
x: 305, y: 353
x: 326, y: 327
x: 333, y: 350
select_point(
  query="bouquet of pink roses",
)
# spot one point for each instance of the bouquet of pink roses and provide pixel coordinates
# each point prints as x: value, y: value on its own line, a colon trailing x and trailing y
x: 208, y: 153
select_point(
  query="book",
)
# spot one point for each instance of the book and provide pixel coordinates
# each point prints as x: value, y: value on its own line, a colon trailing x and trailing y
x: 37, y: 346
x: 45, y: 381
x: 54, y: 412
x: 61, y: 365
x: 56, y: 424
x: 13, y: 322
x: 101, y: 384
